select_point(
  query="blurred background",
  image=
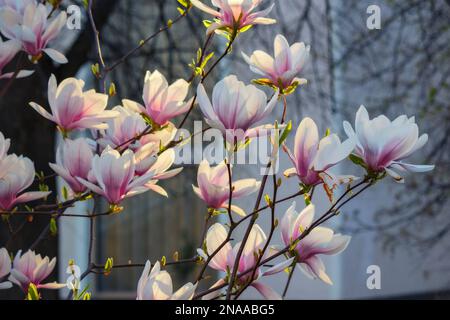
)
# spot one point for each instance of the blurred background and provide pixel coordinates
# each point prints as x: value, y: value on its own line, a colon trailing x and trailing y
x: 402, y: 68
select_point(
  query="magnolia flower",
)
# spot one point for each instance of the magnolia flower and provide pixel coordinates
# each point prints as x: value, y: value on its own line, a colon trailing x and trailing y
x: 8, y: 50
x: 31, y: 268
x: 320, y: 240
x: 313, y: 157
x: 281, y: 70
x: 5, y: 268
x: 122, y: 129
x: 224, y: 259
x: 18, y: 176
x: 383, y: 144
x: 162, y: 102
x: 235, y: 15
x: 157, y: 285
x: 32, y: 28
x: 74, y: 109
x: 113, y: 176
x: 214, y: 186
x: 73, y: 159
x: 235, y: 108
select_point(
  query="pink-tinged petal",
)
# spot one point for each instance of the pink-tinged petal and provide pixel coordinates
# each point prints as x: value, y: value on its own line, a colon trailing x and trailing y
x: 239, y: 211
x: 91, y: 186
x: 178, y: 90
x: 198, y: 193
x: 260, y: 62
x: 52, y: 285
x: 299, y: 55
x: 143, y: 280
x: 282, y: 54
x: 286, y: 223
x: 338, y: 244
x: 24, y: 73
x: 41, y: 111
x: 168, y: 174
x: 267, y: 292
x: 133, y: 106
x: 301, y: 222
x: 186, y: 292
x: 317, y: 238
x: 164, y: 162
x: 63, y: 173
x: 205, y: 8
x: 423, y: 139
x: 305, y: 145
x: 158, y: 189
x: 18, y: 278
x: 40, y: 271
x: 290, y: 172
x: 162, y: 286
x: 30, y: 196
x: 54, y: 28
x: 278, y: 267
x: 332, y: 151
x: 205, y: 103
x: 316, y: 268
x: 397, y: 177
x: 215, y: 236
x: 245, y: 187
x: 56, y: 55
x: 9, y: 18
x: 414, y: 167
x: 256, y: 240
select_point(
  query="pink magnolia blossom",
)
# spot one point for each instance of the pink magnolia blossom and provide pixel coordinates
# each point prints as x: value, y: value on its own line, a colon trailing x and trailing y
x: 383, y: 143
x: 235, y: 108
x: 18, y: 174
x: 73, y: 159
x: 157, y: 285
x: 235, y: 15
x: 122, y: 129
x: 32, y: 268
x: 162, y: 102
x: 74, y: 109
x: 282, y: 69
x: 5, y: 268
x: 8, y: 50
x: 113, y: 176
x: 319, y: 241
x: 214, y: 186
x: 224, y: 260
x: 313, y: 157
x: 32, y: 28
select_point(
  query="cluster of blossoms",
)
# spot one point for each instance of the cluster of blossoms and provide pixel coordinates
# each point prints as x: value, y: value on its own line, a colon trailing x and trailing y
x: 116, y: 163
x: 131, y: 149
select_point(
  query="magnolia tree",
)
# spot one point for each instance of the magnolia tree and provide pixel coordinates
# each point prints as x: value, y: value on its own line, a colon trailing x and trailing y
x: 126, y: 150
